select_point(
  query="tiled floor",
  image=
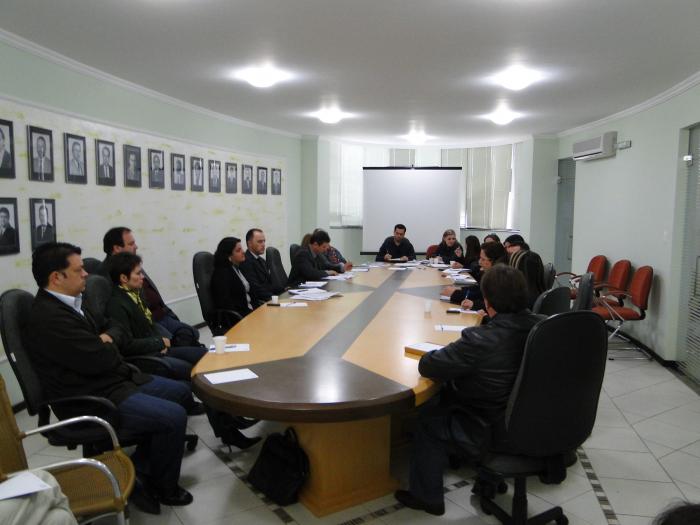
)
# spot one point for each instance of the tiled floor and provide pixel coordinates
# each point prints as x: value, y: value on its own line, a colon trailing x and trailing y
x: 645, y: 451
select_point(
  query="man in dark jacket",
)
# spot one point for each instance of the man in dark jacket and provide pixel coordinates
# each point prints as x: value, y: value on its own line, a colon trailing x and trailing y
x: 76, y: 353
x: 478, y: 372
x: 307, y: 265
x: 396, y: 247
x: 255, y: 267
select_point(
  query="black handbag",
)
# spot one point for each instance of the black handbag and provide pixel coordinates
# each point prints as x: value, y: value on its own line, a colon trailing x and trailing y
x: 281, y: 469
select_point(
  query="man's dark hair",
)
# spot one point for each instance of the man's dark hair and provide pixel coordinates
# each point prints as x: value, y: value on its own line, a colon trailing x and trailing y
x: 5, y: 210
x: 505, y: 289
x: 51, y: 257
x: 224, y: 250
x: 319, y: 237
x: 495, y: 252
x: 115, y: 236
x: 681, y: 514
x: 400, y: 227
x: 249, y: 234
x: 122, y: 263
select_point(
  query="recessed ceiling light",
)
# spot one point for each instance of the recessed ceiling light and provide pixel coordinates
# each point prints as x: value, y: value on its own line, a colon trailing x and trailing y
x: 416, y: 137
x: 503, y: 115
x: 517, y: 77
x: 262, y: 76
x: 330, y: 115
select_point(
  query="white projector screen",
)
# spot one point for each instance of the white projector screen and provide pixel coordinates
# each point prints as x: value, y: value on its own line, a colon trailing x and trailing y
x: 426, y: 200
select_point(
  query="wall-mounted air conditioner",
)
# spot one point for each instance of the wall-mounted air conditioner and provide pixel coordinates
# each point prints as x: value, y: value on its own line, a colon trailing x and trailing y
x: 596, y: 148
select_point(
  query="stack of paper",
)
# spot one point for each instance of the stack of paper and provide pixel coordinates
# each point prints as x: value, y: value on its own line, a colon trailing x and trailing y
x: 294, y: 305
x: 233, y: 348
x: 340, y: 277
x: 421, y: 348
x: 312, y: 294
x: 313, y: 284
x: 230, y: 376
x: 354, y: 270
x: 449, y: 328
x: 439, y: 265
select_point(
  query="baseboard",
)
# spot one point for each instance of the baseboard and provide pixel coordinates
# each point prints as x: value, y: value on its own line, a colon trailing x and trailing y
x: 663, y: 362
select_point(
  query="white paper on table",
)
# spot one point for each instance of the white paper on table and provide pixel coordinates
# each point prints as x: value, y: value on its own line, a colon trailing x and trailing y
x: 360, y: 270
x: 449, y: 328
x: 395, y: 260
x: 340, y: 277
x: 230, y: 376
x: 396, y: 269
x: 439, y: 265
x: 316, y: 296
x: 445, y: 298
x: 307, y: 291
x: 425, y: 347
x: 21, y: 485
x: 294, y: 305
x: 462, y: 311
x: 233, y: 347
x: 313, y: 284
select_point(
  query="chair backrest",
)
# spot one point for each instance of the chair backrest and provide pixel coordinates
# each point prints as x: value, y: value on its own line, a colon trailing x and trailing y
x: 274, y: 262
x: 553, y: 405
x: 619, y: 274
x: 553, y: 301
x: 15, y: 306
x: 584, y: 294
x: 431, y: 251
x: 550, y: 274
x: 640, y: 286
x: 293, y: 249
x: 597, y: 267
x: 12, y: 456
x: 98, y: 290
x: 91, y: 265
x: 202, y: 270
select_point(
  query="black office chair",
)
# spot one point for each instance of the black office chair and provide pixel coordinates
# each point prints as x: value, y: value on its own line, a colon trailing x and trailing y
x: 274, y: 262
x: 293, y: 249
x: 551, y: 410
x: 553, y: 301
x: 218, y: 320
x: 584, y: 294
x: 92, y: 265
x: 550, y: 275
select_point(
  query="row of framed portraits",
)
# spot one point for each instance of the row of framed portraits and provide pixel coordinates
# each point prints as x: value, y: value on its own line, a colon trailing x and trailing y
x: 42, y: 217
x: 41, y: 165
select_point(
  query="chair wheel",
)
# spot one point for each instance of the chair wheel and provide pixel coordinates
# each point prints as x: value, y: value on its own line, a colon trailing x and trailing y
x: 562, y: 521
x: 502, y: 487
x: 191, y: 443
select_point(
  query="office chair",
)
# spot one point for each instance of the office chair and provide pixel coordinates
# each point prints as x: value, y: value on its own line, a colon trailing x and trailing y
x: 550, y: 412
x: 274, y: 262
x: 550, y: 275
x: 616, y: 283
x: 431, y: 251
x: 293, y: 249
x: 91, y: 265
x: 596, y: 266
x: 218, y: 320
x: 584, y: 297
x: 552, y: 301
x: 94, y: 487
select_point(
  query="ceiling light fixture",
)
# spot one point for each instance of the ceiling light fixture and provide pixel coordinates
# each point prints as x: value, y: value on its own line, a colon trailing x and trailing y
x: 330, y: 115
x: 416, y: 137
x: 517, y: 77
x: 264, y: 76
x: 503, y: 115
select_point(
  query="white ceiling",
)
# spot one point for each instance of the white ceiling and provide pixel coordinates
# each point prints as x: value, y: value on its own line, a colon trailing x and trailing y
x: 391, y: 61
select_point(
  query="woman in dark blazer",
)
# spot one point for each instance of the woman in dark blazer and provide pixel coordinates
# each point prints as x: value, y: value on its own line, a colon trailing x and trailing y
x: 229, y: 288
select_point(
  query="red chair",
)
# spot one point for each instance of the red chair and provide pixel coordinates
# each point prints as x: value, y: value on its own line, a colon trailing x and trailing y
x: 431, y: 251
x: 617, y: 282
x: 596, y: 266
x: 638, y: 294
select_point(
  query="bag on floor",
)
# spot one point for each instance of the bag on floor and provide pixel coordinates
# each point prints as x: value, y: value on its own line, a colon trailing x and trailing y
x: 281, y: 468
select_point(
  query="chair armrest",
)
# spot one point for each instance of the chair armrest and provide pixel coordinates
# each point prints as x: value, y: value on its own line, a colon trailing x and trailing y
x: 147, y: 360
x: 560, y: 274
x: 223, y: 311
x: 95, y: 400
x: 76, y: 420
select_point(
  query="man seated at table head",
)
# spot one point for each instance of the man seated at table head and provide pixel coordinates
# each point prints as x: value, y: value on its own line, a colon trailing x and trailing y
x: 255, y: 268
x: 397, y: 246
x: 76, y: 352
x: 478, y: 372
x: 307, y: 265
x: 121, y: 239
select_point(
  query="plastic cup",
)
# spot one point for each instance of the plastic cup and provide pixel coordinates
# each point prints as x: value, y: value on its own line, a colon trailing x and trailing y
x: 275, y: 299
x: 220, y: 344
x: 428, y: 307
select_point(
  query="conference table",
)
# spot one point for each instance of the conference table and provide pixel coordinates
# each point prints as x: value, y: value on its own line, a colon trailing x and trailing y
x: 337, y: 372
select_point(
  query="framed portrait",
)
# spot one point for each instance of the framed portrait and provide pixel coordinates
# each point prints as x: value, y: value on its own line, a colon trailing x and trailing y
x: 197, y: 173
x: 156, y: 169
x: 231, y: 177
x: 104, y: 163
x: 262, y: 181
x: 9, y: 232
x: 40, y: 145
x: 132, y: 166
x: 247, y: 179
x: 276, y: 175
x: 42, y: 216
x: 214, y: 176
x: 75, y: 158
x: 7, y: 150
x: 177, y: 172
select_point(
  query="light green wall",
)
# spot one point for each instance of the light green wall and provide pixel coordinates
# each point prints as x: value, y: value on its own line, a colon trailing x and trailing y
x: 632, y: 206
x: 543, y: 206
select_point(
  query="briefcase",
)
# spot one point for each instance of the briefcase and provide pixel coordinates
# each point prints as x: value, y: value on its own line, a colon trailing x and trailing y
x: 281, y: 469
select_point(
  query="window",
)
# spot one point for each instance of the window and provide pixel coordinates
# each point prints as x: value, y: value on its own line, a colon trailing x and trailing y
x: 346, y: 185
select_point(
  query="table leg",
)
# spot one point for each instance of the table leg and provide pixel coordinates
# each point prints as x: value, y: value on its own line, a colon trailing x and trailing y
x: 349, y: 463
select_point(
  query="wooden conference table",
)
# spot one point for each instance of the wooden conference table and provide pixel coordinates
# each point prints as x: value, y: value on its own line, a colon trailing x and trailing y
x: 336, y: 371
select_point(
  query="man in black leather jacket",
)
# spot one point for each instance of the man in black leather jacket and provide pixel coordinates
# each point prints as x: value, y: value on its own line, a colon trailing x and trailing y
x: 478, y: 372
